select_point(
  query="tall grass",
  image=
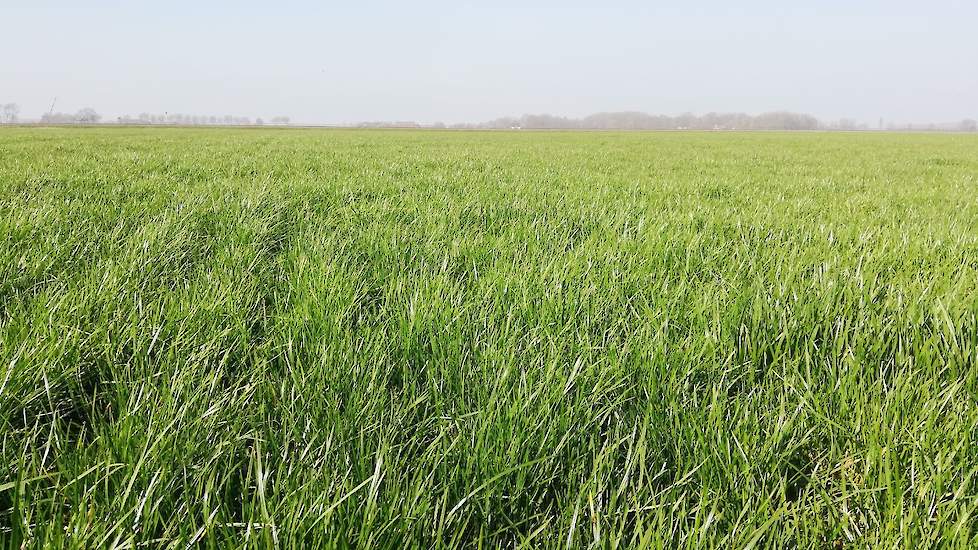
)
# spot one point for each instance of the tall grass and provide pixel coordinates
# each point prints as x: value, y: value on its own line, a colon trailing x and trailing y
x: 222, y: 338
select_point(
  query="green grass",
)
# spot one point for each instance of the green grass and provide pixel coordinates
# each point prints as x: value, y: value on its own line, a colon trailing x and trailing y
x: 225, y: 338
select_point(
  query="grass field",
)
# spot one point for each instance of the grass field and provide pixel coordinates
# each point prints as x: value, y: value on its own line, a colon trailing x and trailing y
x: 424, y: 339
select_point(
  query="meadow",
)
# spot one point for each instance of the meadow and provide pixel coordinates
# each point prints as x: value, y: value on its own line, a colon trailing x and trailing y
x: 413, y: 339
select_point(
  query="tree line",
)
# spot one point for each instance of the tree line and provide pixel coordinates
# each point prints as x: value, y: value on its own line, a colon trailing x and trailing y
x: 200, y: 120
x: 83, y: 116
x: 634, y: 120
x: 10, y: 114
x: 626, y: 120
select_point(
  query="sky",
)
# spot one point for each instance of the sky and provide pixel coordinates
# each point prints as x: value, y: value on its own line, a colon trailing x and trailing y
x: 458, y: 61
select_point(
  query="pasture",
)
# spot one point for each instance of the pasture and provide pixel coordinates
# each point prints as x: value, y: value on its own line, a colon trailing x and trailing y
x: 325, y: 338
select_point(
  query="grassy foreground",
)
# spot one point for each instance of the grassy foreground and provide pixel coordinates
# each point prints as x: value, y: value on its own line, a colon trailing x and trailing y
x: 220, y: 338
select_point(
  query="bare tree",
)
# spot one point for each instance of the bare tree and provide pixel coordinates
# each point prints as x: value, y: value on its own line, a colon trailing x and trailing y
x: 87, y: 116
x: 10, y: 113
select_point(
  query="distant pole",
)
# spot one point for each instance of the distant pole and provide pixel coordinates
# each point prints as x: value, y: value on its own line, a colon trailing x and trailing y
x: 51, y: 110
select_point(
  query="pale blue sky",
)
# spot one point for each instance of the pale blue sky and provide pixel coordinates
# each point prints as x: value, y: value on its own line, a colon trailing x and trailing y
x: 464, y: 61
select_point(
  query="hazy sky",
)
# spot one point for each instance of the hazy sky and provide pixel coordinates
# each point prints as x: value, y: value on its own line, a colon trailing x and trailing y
x: 465, y: 61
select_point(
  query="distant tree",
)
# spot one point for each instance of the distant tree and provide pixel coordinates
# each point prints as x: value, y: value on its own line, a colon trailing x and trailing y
x: 259, y: 122
x: 87, y: 116
x: 280, y: 120
x: 969, y: 125
x: 10, y: 113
